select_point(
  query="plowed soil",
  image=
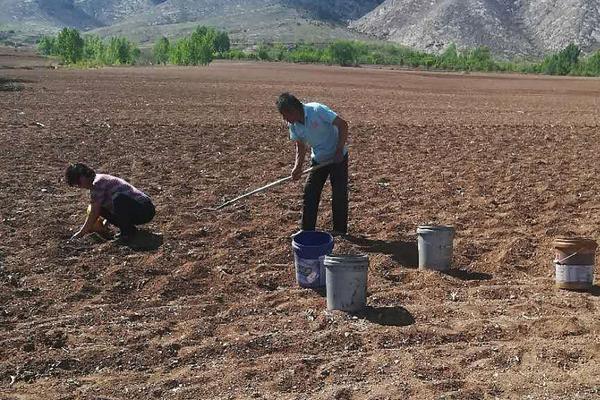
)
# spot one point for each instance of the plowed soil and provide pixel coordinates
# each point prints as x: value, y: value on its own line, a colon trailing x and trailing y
x: 212, y: 310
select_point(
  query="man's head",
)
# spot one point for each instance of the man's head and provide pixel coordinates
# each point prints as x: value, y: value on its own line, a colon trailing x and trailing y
x: 80, y: 175
x: 290, y: 108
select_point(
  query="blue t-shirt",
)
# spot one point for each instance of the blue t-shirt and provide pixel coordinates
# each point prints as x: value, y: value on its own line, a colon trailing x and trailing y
x: 318, y: 132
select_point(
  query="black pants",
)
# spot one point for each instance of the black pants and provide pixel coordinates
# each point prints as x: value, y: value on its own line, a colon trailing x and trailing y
x: 338, y: 176
x: 128, y: 212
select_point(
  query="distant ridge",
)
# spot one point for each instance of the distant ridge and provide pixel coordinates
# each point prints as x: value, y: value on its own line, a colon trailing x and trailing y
x: 508, y: 27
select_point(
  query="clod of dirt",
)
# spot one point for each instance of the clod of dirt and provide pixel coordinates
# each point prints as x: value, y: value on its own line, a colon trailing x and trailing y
x: 55, y: 339
x: 28, y: 347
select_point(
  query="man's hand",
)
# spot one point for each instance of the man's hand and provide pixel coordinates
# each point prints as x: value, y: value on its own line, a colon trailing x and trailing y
x: 339, y: 156
x: 296, y: 173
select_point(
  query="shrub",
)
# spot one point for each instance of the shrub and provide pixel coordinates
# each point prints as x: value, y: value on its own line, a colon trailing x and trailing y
x: 262, y: 52
x: 344, y: 52
x: 591, y: 65
x: 234, y: 54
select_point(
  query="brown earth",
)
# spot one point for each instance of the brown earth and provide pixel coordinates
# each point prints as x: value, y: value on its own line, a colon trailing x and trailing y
x: 214, y: 312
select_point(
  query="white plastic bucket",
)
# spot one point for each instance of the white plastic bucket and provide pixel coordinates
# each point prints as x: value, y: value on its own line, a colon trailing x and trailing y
x: 574, y: 262
x: 346, y: 282
x: 435, y: 246
x: 578, y: 277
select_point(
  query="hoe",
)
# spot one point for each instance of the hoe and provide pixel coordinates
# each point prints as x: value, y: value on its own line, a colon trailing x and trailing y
x: 270, y: 185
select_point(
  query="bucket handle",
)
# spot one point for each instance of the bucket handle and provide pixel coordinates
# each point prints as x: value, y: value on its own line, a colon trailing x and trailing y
x: 566, y: 258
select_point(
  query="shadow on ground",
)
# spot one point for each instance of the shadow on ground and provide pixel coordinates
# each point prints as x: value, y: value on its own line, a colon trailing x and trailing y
x: 595, y: 291
x: 388, y: 316
x: 402, y: 252
x: 465, y: 275
x: 11, y: 85
x: 145, y: 241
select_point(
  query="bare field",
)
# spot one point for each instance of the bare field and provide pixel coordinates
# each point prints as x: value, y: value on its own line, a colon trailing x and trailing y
x: 214, y: 312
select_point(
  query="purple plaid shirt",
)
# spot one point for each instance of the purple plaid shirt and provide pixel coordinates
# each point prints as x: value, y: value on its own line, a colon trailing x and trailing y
x: 106, y: 187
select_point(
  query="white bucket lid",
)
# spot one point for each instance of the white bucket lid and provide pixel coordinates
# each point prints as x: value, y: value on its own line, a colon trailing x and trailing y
x: 425, y: 228
x: 348, y: 260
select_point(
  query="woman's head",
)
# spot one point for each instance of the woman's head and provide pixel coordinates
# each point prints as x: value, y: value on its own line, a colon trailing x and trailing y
x: 79, y: 175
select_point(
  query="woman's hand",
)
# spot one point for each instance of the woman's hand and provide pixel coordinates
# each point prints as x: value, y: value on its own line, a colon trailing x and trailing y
x: 92, y: 216
x: 76, y: 236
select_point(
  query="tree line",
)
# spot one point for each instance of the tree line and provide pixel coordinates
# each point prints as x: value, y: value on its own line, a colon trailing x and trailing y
x: 72, y: 48
x: 206, y: 43
x: 200, y: 48
x: 568, y: 61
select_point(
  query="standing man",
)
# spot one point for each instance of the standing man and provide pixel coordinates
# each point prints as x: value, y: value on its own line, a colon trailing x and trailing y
x: 316, y: 126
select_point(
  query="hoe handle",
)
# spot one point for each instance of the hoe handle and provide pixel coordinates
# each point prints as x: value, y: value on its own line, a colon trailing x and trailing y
x: 270, y: 185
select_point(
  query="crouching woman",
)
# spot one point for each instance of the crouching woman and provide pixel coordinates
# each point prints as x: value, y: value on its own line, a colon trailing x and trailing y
x: 111, y: 198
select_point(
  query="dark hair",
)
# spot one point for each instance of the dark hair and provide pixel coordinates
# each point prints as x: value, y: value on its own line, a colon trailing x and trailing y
x: 77, y: 170
x: 288, y: 102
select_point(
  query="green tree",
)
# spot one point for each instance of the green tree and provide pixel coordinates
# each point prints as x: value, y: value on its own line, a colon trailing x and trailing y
x: 279, y: 52
x: 201, y: 31
x: 343, y: 52
x: 570, y: 54
x: 201, y: 45
x: 592, y: 65
x: 562, y: 63
x: 93, y: 48
x: 47, y: 46
x: 204, y: 52
x: 222, y: 43
x: 69, y: 45
x: 449, y: 58
x: 180, y: 52
x: 121, y: 51
x: 161, y: 50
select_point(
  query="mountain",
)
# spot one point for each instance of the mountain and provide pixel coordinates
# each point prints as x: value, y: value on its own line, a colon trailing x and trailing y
x: 507, y: 27
x: 248, y: 20
x: 522, y: 28
x: 144, y: 20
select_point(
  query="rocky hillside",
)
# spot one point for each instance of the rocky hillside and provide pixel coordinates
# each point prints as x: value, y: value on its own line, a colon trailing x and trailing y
x: 509, y: 27
x: 143, y: 20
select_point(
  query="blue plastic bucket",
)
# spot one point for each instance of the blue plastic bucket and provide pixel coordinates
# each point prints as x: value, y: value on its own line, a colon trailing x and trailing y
x: 310, y: 249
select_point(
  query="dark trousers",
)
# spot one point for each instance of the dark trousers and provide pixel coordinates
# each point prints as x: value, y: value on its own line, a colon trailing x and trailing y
x: 338, y: 176
x: 128, y: 212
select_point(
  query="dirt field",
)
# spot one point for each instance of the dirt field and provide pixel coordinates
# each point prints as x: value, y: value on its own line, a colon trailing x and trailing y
x: 214, y: 311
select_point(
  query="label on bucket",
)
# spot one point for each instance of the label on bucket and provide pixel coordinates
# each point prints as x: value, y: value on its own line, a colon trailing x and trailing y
x: 574, y: 273
x: 309, y: 270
